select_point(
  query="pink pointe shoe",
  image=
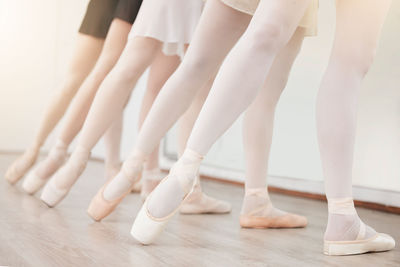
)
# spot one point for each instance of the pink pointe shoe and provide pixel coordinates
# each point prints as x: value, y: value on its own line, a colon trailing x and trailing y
x: 258, y: 212
x: 67, y: 175
x: 100, y: 207
x: 21, y: 165
x: 36, y: 178
x: 200, y: 203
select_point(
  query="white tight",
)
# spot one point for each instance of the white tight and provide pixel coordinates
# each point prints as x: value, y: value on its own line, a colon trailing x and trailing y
x: 161, y: 69
x: 86, y: 52
x: 219, y: 23
x: 114, y: 91
x: 187, y: 120
x: 272, y: 26
x: 218, y: 30
x: 358, y: 25
x: 112, y: 95
x: 268, y: 32
x: 76, y: 114
x: 259, y: 117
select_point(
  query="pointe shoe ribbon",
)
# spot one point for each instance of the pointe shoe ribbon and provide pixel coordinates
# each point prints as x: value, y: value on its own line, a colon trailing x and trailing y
x: 200, y: 203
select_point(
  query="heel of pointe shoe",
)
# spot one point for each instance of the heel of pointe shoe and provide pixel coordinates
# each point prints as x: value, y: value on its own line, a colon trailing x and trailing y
x: 146, y: 229
x: 32, y: 183
x: 378, y: 243
x: 51, y: 195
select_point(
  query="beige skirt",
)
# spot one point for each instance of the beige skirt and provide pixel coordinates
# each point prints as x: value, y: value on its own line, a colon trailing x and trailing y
x: 309, y: 21
x: 172, y: 22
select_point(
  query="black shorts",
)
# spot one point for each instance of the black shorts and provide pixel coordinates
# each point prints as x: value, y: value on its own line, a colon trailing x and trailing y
x: 100, y: 14
x: 127, y: 10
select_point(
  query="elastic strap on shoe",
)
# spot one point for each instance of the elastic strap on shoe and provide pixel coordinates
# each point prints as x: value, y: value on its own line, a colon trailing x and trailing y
x: 344, y: 206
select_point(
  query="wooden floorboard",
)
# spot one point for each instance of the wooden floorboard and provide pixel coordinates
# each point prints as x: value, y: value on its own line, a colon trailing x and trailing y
x: 31, y: 234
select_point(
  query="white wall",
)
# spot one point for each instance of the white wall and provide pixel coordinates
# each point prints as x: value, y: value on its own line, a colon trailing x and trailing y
x: 295, y: 153
x: 37, y: 38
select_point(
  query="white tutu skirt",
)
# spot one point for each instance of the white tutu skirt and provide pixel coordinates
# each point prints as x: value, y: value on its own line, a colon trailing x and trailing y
x: 172, y: 22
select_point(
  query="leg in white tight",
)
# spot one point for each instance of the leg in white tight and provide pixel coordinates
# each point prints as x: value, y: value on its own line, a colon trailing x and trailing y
x: 108, y: 104
x: 237, y: 84
x: 161, y: 69
x: 358, y: 25
x: 218, y: 30
x: 87, y: 50
x: 76, y: 114
x: 257, y: 138
x: 186, y: 122
x: 112, y: 144
x: 197, y: 201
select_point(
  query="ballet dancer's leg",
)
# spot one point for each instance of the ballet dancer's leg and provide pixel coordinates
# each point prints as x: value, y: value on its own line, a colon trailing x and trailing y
x: 273, y: 24
x: 161, y: 69
x: 358, y: 25
x: 219, y: 28
x: 257, y: 208
x: 237, y: 84
x: 76, y: 114
x: 112, y: 144
x: 84, y: 57
x: 108, y: 104
x: 198, y: 202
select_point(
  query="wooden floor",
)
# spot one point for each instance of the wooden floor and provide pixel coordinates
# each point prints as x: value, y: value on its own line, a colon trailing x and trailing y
x: 33, y: 235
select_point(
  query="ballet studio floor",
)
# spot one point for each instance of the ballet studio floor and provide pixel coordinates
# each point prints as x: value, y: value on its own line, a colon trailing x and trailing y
x: 31, y: 234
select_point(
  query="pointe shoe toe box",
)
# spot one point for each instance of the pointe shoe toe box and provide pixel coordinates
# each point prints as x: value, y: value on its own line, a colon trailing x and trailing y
x: 146, y: 229
x: 99, y: 208
x: 32, y: 183
x: 51, y: 195
x: 385, y: 241
x: 12, y: 177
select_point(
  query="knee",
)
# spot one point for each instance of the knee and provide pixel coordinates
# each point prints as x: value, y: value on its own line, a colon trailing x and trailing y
x: 124, y: 72
x: 196, y: 65
x: 267, y: 36
x: 357, y: 60
x: 102, y: 69
x: 69, y: 89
